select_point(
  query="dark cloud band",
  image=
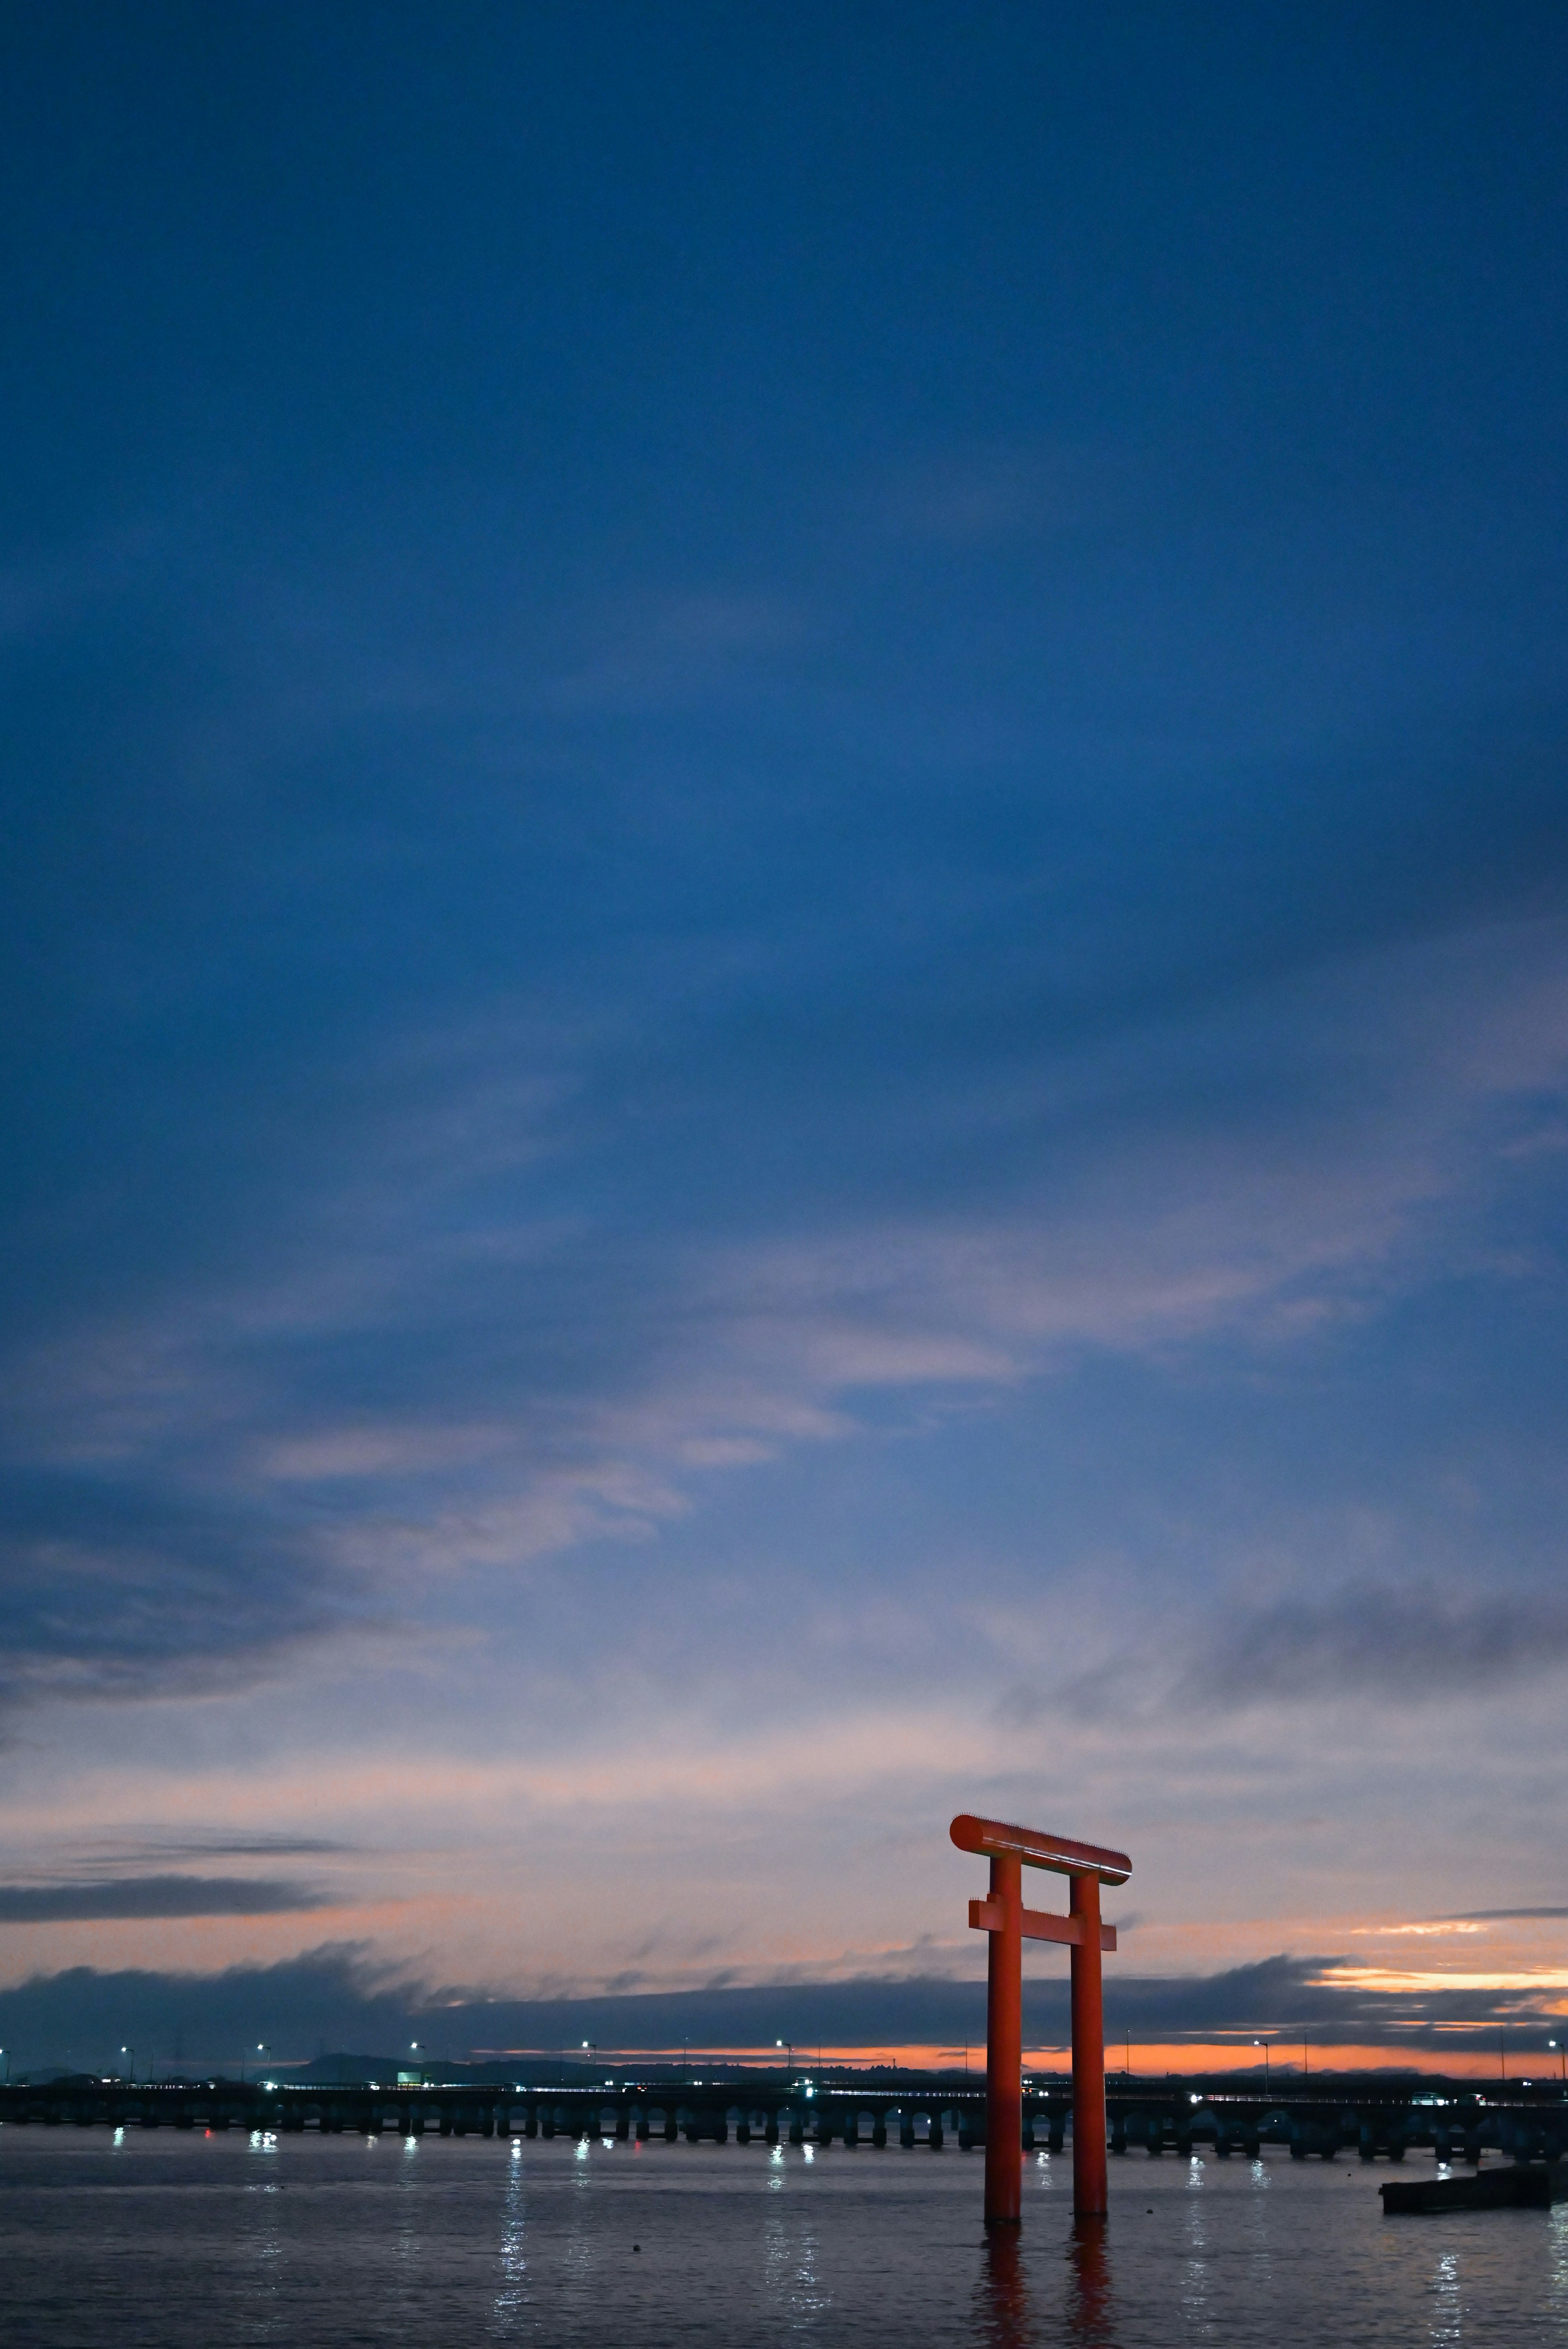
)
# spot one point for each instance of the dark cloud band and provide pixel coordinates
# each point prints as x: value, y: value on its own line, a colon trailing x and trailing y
x: 332, y: 1997
x: 155, y: 1896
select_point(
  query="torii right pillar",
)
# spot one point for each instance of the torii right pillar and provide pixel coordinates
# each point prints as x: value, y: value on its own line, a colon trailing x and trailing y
x: 1004, y: 1918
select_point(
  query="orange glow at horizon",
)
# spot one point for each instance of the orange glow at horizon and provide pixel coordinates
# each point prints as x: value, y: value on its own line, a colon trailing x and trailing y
x: 1156, y: 2062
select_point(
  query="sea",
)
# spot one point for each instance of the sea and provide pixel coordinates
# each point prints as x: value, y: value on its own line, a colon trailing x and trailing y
x: 166, y: 2238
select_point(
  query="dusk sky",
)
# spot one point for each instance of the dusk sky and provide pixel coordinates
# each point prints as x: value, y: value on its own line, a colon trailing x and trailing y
x: 784, y: 941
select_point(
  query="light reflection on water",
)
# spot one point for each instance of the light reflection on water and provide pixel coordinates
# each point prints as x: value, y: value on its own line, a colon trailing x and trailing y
x: 1446, y: 2318
x: 1197, y: 2321
x: 143, y: 2240
x: 1557, y: 2291
x: 507, y: 2311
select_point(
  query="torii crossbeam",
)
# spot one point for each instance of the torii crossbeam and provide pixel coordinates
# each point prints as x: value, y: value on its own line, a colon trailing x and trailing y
x: 1004, y: 1918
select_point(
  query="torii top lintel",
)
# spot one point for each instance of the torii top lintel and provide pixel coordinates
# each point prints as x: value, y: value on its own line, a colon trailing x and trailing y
x: 1068, y: 1857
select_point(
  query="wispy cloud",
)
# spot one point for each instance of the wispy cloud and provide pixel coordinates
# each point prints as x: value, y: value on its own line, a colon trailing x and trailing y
x: 1517, y: 1916
x: 232, y: 1847
x: 58, y: 590
x: 1421, y: 1643
x: 437, y: 1370
x: 1444, y: 1930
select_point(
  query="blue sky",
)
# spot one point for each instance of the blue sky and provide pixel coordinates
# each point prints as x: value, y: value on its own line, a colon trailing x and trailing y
x: 786, y: 955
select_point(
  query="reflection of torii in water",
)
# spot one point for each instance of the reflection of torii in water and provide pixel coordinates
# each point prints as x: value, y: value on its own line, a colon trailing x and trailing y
x: 1009, y: 1924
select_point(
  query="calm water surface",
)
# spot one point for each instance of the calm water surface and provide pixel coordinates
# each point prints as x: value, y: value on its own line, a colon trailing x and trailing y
x: 169, y: 2239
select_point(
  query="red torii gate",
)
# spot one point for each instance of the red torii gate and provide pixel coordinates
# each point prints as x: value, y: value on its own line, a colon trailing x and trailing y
x: 1004, y: 1918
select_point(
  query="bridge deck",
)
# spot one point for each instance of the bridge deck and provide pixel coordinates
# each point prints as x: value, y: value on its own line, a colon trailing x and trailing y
x: 1374, y: 2118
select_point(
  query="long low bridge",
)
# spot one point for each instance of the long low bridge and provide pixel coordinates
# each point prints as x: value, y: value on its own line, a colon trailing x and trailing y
x: 1372, y: 2118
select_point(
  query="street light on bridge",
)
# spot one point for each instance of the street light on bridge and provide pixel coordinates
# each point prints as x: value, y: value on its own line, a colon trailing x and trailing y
x: 788, y: 2046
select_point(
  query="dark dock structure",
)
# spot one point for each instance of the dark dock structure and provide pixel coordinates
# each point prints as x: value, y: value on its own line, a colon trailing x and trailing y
x: 1366, y: 2119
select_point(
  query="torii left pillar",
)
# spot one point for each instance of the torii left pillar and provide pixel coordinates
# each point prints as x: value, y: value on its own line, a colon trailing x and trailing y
x: 1009, y: 1924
